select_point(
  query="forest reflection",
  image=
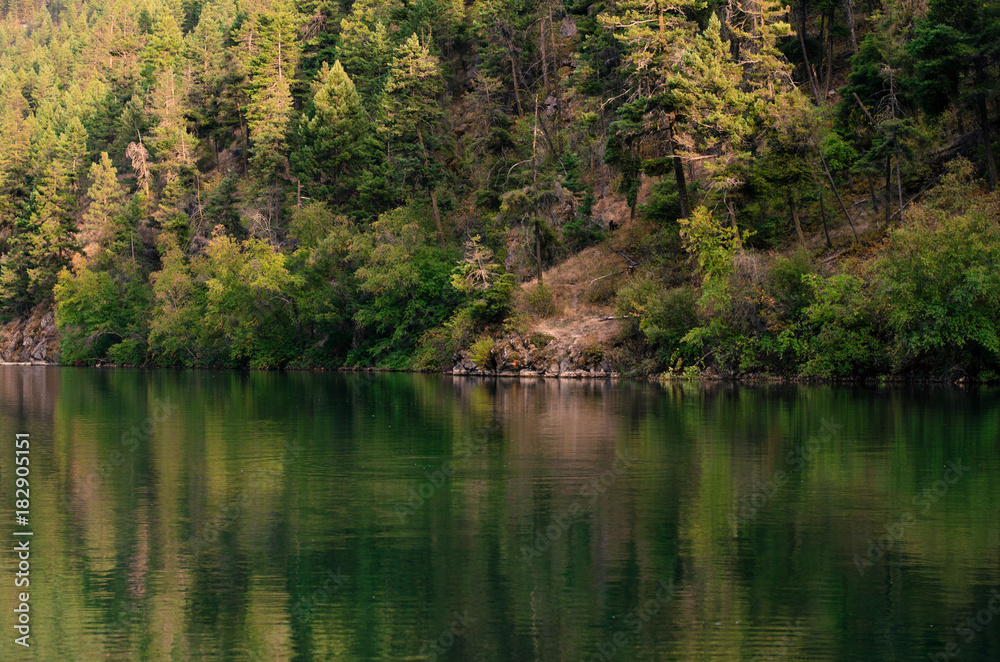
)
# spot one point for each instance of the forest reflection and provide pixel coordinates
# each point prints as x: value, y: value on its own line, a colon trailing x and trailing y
x: 202, y: 515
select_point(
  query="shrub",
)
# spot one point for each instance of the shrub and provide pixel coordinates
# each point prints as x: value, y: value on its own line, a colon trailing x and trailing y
x: 435, y: 350
x: 843, y: 330
x: 940, y: 282
x: 540, y: 339
x: 541, y: 301
x: 663, y: 317
x: 591, y: 354
x: 481, y: 353
x: 582, y: 232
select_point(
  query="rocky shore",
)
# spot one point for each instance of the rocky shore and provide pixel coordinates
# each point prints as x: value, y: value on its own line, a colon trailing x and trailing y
x: 31, y: 339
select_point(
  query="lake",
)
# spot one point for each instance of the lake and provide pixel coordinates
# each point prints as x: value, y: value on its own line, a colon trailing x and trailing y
x: 201, y: 515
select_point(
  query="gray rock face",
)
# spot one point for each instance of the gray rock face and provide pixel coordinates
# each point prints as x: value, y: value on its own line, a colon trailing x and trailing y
x: 517, y: 356
x: 31, y: 339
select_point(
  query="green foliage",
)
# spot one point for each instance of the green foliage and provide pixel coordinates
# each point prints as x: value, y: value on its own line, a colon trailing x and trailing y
x: 540, y: 339
x: 541, y: 301
x: 482, y: 354
x: 713, y: 246
x: 177, y: 333
x: 101, y: 314
x: 405, y: 287
x: 338, y: 157
x: 312, y: 223
x: 844, y: 330
x: 488, y: 289
x: 340, y: 149
x: 581, y: 232
x: 940, y: 275
x: 250, y: 301
x: 662, y: 317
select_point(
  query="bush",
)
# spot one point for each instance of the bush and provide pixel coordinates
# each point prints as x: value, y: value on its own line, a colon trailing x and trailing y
x: 663, y: 317
x: 787, y: 285
x: 940, y: 282
x: 435, y: 350
x: 669, y: 316
x: 591, y: 354
x: 582, y: 232
x: 541, y: 301
x: 843, y: 330
x: 540, y: 339
x: 481, y: 353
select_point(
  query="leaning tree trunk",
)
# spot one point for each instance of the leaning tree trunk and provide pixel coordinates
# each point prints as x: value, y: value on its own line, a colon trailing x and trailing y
x: 795, y: 216
x: 805, y: 56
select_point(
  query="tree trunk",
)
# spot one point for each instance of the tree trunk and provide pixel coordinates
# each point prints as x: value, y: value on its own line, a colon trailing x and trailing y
x: 829, y: 54
x: 839, y: 199
x: 823, y: 53
x: 541, y: 47
x: 679, y: 174
x: 538, y: 248
x: 984, y: 127
x: 871, y: 189
x: 850, y: 24
x: 437, y: 218
x: 434, y: 203
x: 888, y: 187
x: 899, y: 180
x: 822, y: 215
x: 517, y: 92
x: 795, y: 216
x: 805, y: 56
x: 732, y: 222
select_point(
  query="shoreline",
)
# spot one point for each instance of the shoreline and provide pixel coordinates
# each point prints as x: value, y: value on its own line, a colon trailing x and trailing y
x: 661, y: 379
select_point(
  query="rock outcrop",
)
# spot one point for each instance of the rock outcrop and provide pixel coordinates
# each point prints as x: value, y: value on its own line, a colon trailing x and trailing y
x: 539, y: 355
x: 31, y: 339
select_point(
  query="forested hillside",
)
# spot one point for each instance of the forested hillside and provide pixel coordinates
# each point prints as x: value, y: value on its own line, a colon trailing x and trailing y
x: 785, y: 190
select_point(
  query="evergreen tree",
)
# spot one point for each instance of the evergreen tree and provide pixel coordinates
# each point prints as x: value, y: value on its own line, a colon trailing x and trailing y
x: 107, y: 201
x: 957, y: 47
x: 173, y: 146
x: 268, y: 51
x: 367, y: 46
x: 337, y: 153
x: 412, y: 121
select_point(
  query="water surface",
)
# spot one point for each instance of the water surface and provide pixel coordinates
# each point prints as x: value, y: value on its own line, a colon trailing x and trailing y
x: 203, y: 515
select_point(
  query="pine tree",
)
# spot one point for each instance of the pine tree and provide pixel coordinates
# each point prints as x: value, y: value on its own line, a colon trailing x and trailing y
x: 367, y: 46
x: 173, y: 146
x: 268, y: 51
x: 107, y: 201
x: 654, y: 33
x: 412, y: 120
x: 957, y: 48
x: 337, y: 152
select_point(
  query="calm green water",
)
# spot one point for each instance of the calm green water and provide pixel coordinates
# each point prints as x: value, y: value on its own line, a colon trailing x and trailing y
x: 266, y: 516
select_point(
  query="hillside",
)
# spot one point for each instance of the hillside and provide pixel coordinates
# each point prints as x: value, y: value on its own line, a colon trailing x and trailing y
x: 718, y: 188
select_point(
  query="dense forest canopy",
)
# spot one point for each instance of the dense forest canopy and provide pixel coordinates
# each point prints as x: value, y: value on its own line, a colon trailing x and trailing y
x: 802, y: 189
